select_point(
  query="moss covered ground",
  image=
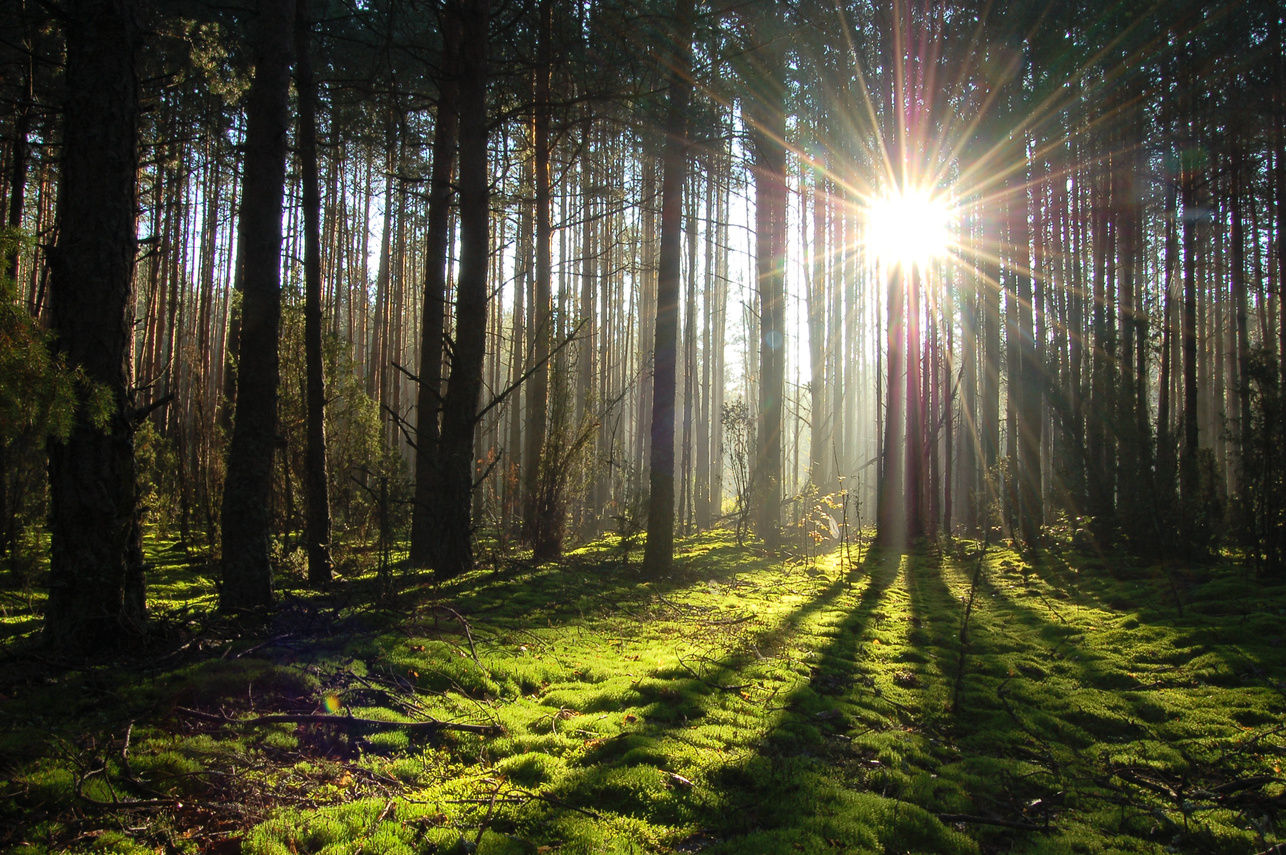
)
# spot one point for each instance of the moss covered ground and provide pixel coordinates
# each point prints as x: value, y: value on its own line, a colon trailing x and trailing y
x: 950, y: 700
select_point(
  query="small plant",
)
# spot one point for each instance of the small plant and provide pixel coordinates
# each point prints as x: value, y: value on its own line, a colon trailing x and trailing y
x: 737, y: 441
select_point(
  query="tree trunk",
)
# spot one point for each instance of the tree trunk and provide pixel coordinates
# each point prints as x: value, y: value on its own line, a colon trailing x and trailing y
x: 464, y: 389
x: 1188, y: 333
x: 1027, y: 386
x: 425, y: 513
x: 536, y: 529
x: 1245, y: 433
x: 317, y: 533
x: 659, y: 552
x: 768, y: 134
x: 96, y: 563
x: 891, y: 530
x: 247, y: 568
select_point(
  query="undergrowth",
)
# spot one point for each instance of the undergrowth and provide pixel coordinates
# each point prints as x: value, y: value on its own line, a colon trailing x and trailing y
x: 744, y: 705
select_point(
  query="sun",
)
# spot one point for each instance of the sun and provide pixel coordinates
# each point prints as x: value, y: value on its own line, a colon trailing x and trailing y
x: 909, y: 228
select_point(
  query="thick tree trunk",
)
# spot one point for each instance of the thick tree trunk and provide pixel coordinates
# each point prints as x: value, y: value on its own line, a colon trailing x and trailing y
x: 247, y: 568
x: 96, y: 562
x: 425, y: 513
x: 317, y: 527
x: 464, y: 389
x: 659, y: 552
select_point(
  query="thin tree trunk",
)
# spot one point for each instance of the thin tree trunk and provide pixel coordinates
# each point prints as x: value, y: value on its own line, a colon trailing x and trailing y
x: 536, y: 529
x: 1188, y: 456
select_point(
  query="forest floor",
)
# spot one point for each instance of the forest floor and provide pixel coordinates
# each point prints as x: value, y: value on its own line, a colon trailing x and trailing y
x: 948, y: 700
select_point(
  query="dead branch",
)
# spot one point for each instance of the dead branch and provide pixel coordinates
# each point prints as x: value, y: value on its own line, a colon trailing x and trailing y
x: 347, y: 722
x: 712, y: 685
x: 970, y: 819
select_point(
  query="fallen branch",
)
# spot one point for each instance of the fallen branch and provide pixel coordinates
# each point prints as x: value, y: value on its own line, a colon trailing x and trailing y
x: 468, y: 633
x: 970, y: 819
x: 433, y: 725
x: 709, y: 683
x: 1244, y: 784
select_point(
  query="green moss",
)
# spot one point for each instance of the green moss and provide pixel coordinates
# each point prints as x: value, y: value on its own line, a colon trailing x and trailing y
x: 745, y: 704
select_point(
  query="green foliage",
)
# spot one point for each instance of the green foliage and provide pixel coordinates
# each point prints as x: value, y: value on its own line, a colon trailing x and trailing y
x: 359, y: 458
x: 1259, y: 512
x: 39, y: 394
x: 738, y: 440
x: 40, y: 399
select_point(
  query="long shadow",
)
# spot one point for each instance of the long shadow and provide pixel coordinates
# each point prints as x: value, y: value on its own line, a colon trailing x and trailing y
x: 801, y: 785
x: 1052, y: 725
x: 842, y: 776
x: 701, y: 710
x: 590, y: 583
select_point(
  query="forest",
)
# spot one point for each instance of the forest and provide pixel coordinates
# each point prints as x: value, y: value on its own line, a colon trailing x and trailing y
x: 729, y: 426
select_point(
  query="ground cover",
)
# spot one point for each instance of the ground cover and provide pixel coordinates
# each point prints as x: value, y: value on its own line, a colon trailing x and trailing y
x: 954, y: 699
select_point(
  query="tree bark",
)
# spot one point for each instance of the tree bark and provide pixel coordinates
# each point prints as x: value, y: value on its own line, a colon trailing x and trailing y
x: 768, y: 134
x: 464, y: 388
x: 247, y: 567
x: 536, y: 530
x: 891, y: 529
x: 317, y: 526
x: 659, y: 552
x: 96, y: 596
x: 1188, y: 334
x: 425, y: 513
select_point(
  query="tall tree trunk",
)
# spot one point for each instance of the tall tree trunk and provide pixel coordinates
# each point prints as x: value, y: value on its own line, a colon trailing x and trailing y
x: 820, y: 450
x: 1245, y: 432
x: 536, y: 529
x: 768, y: 134
x: 96, y: 563
x: 18, y: 170
x: 659, y: 551
x: 1188, y: 455
x: 1165, y: 442
x: 425, y: 512
x: 891, y: 527
x: 247, y: 568
x: 1028, y: 385
x: 464, y: 389
x: 317, y: 527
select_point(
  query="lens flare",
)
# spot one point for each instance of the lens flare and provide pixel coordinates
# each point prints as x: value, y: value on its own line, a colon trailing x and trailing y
x: 909, y: 228
x: 331, y: 703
